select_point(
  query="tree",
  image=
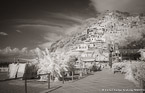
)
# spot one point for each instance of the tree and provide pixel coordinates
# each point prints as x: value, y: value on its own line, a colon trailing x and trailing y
x: 71, y: 63
x: 48, y: 64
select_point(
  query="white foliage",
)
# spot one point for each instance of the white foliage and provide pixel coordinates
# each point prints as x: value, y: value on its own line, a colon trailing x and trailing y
x: 134, y: 70
x: 50, y: 64
x: 129, y: 74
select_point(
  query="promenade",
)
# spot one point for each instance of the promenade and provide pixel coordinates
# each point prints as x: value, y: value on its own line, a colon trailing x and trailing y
x: 101, y: 82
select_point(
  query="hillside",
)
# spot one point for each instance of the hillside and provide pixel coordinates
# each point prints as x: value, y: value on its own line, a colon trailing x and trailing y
x: 109, y: 27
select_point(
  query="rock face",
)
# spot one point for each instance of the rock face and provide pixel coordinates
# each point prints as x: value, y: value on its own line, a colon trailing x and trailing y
x: 110, y: 27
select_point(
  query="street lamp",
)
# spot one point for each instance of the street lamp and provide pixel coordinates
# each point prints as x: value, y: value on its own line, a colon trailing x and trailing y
x: 111, y: 48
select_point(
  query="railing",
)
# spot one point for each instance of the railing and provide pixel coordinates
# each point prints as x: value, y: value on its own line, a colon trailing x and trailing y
x: 83, y: 72
x: 142, y: 85
x: 48, y: 81
x: 25, y: 78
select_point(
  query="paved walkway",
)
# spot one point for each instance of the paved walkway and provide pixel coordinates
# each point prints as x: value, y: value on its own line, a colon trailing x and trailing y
x: 101, y: 82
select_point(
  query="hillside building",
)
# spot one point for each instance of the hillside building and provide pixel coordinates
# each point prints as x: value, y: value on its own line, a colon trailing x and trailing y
x: 81, y: 47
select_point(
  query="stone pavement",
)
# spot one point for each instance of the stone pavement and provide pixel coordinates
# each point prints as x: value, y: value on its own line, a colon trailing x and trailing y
x: 101, y: 82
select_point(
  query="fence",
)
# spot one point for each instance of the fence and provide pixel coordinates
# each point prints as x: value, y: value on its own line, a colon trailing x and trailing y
x: 142, y: 85
x: 25, y: 78
x: 3, y: 69
x: 72, y: 76
x: 76, y: 74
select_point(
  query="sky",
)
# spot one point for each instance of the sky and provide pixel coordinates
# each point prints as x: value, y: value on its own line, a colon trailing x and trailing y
x: 28, y: 24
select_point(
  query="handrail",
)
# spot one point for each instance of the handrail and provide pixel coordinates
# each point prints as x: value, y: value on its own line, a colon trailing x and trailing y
x: 10, y: 79
x: 21, y: 77
x: 25, y: 78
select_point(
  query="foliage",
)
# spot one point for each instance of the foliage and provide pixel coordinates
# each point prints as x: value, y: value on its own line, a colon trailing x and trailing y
x: 49, y: 64
x: 71, y: 63
x: 134, y: 70
x: 137, y: 44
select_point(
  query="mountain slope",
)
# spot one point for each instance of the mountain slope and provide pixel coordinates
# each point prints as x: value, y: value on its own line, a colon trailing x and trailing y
x: 117, y: 27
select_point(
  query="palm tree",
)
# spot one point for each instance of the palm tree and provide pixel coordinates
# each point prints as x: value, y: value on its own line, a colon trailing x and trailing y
x: 49, y: 64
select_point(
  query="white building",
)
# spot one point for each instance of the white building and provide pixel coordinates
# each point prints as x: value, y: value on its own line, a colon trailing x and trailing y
x: 82, y: 47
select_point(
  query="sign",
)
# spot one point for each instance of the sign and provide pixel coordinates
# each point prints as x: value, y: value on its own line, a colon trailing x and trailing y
x: 13, y: 68
x: 21, y: 70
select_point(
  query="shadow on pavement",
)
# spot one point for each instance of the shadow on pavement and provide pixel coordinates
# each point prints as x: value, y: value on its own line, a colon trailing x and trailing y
x: 51, y: 89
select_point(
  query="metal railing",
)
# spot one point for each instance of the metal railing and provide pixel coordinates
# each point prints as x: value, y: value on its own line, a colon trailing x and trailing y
x: 142, y: 85
x: 25, y: 79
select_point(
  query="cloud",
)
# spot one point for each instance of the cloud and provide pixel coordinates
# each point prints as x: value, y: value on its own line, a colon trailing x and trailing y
x: 9, y: 51
x: 42, y: 27
x: 56, y: 22
x: 3, y: 33
x: 52, y: 37
x: 51, y: 19
x: 8, y: 54
x: 54, y: 31
x: 53, y: 22
x: 39, y: 32
x: 65, y: 17
x: 38, y: 25
x: 19, y: 31
x: 47, y: 32
x: 46, y: 45
x: 133, y: 6
x: 73, y: 29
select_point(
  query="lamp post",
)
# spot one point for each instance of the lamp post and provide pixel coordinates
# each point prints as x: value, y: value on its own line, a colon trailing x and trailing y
x: 48, y: 81
x: 117, y: 55
x: 110, y: 54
